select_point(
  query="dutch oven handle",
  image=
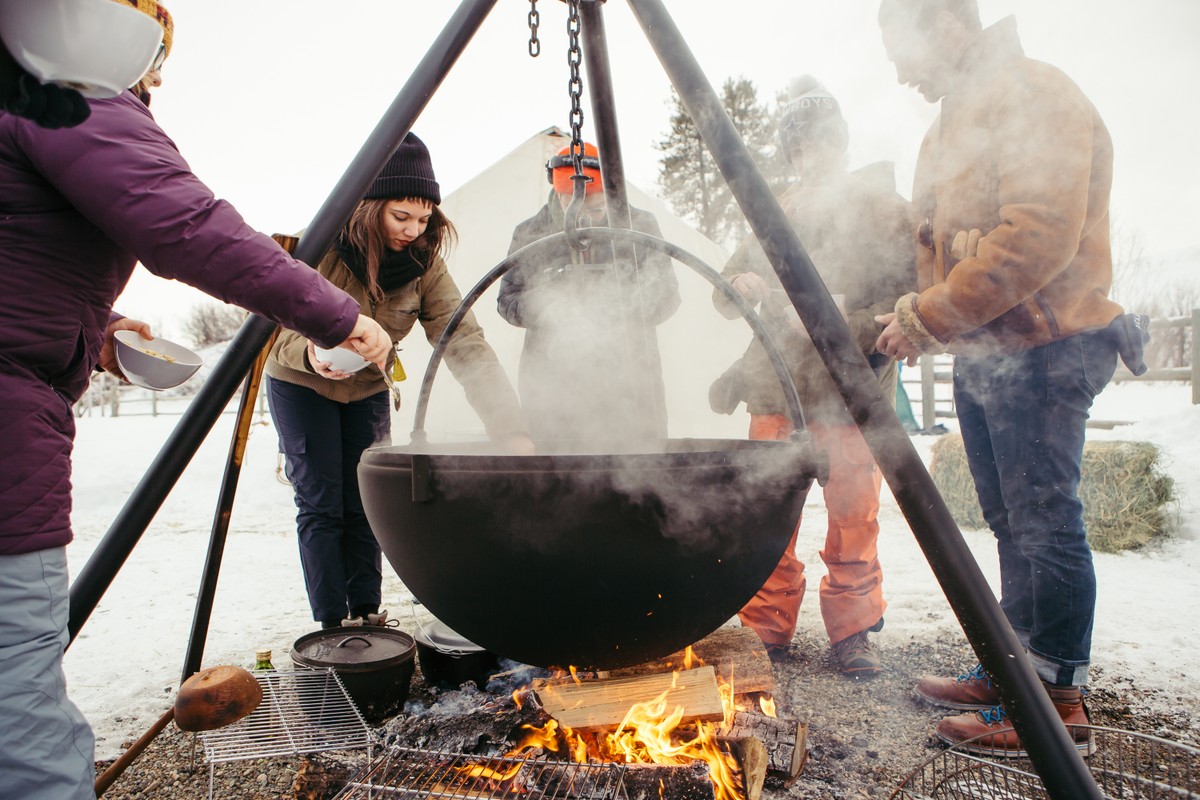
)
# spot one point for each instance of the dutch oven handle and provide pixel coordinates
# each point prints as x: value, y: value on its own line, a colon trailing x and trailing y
x: 791, y: 397
x: 348, y: 639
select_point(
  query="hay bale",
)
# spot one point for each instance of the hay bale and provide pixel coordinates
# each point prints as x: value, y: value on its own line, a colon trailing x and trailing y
x: 953, y: 479
x: 1127, y: 499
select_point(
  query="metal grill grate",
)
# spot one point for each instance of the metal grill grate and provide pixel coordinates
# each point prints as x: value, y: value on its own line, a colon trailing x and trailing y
x: 1125, y: 765
x: 302, y: 711
x: 412, y: 773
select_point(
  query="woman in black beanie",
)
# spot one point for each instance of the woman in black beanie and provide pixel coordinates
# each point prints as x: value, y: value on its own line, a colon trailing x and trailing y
x: 389, y: 257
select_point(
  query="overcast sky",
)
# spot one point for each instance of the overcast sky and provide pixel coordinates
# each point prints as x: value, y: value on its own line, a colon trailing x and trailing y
x: 270, y: 100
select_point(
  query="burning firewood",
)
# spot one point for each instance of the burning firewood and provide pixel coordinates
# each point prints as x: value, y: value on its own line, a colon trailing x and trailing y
x: 603, y: 704
x: 737, y: 655
x: 753, y: 757
x: 786, y: 740
x: 653, y: 782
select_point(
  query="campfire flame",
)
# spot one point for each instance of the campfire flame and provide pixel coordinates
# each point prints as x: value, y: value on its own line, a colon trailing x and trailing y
x: 487, y: 773
x: 652, y: 733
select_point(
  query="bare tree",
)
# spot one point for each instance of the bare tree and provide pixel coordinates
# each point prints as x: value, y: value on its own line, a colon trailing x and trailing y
x: 211, y: 323
x: 1131, y: 268
x: 691, y: 183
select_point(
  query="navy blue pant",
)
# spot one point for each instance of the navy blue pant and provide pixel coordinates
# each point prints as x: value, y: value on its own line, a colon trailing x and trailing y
x: 322, y: 441
x: 1023, y: 418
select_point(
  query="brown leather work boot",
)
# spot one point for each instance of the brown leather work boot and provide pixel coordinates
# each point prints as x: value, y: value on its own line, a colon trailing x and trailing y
x: 990, y: 733
x: 971, y: 691
x: 856, y: 656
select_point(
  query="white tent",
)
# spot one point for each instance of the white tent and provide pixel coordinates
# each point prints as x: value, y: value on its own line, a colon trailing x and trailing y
x: 697, y: 343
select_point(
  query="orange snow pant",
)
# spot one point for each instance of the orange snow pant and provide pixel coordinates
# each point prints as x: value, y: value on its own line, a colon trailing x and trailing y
x: 852, y: 591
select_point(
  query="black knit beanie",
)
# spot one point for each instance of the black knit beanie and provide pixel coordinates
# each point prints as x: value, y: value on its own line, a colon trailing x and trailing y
x: 408, y: 173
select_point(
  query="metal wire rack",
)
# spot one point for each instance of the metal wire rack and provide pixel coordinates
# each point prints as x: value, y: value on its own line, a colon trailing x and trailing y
x: 302, y: 711
x: 410, y: 773
x: 1125, y: 765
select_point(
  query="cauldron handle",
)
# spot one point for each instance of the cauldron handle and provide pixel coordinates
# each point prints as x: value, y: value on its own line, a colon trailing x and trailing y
x: 603, y: 234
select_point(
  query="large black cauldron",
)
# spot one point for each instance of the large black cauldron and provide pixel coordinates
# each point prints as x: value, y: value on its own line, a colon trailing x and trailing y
x: 595, y: 561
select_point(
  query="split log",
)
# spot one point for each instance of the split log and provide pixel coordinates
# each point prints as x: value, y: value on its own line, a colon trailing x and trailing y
x: 753, y: 758
x: 603, y: 704
x: 737, y: 655
x: 786, y: 740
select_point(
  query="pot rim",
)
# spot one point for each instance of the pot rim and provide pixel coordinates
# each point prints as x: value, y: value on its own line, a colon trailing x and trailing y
x: 428, y: 636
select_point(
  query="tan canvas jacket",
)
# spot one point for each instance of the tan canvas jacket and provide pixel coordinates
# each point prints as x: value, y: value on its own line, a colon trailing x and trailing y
x: 430, y: 300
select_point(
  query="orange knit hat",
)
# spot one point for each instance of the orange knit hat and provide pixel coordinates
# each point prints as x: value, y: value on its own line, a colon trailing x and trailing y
x: 160, y: 14
x: 560, y: 169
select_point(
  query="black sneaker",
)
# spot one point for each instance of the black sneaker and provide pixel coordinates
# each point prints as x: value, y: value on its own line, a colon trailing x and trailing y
x: 856, y: 657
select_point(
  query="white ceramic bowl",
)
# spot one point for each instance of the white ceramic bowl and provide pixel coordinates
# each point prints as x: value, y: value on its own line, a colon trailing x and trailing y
x: 341, y: 358
x: 97, y: 47
x: 155, y: 363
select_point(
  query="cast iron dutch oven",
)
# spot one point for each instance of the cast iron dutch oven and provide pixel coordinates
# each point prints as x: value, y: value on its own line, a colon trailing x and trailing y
x: 450, y: 660
x: 374, y: 664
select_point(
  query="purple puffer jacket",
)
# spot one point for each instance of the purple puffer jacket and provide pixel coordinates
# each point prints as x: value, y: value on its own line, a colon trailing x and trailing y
x: 78, y: 207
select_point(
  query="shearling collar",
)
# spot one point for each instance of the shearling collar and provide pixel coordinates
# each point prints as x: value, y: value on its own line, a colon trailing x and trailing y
x: 997, y: 47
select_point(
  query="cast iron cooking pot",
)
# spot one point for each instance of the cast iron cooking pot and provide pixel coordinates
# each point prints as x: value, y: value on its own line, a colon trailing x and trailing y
x: 375, y: 664
x: 449, y: 660
x: 584, y: 559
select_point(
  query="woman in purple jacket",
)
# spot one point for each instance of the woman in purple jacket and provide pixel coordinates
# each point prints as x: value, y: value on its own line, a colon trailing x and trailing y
x: 78, y: 207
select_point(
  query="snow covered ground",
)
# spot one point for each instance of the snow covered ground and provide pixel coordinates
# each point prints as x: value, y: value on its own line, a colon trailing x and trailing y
x: 127, y: 661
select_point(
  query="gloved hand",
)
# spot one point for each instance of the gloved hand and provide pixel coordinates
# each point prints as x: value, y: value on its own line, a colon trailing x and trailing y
x: 728, y: 390
x: 1129, y: 333
x: 965, y: 244
x: 46, y: 104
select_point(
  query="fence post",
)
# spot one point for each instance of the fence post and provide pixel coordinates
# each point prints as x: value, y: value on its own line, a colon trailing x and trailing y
x: 114, y: 404
x: 1192, y: 354
x: 928, y: 393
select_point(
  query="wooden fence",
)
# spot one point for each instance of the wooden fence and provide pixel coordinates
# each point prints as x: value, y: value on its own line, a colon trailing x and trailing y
x: 934, y: 379
x: 108, y: 397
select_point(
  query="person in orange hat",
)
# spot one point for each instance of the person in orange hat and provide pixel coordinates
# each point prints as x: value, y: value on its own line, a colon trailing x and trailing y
x: 153, y: 77
x: 590, y: 367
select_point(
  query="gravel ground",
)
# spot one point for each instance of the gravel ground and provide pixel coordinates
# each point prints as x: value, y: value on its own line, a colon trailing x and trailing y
x: 865, y: 737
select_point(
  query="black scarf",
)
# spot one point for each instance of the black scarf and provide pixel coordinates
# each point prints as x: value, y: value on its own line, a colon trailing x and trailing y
x: 395, y: 269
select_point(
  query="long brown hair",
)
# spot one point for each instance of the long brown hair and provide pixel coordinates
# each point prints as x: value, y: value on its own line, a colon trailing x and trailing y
x: 364, y: 232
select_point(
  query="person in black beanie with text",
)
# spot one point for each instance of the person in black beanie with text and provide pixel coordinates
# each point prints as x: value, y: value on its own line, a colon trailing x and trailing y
x: 327, y: 411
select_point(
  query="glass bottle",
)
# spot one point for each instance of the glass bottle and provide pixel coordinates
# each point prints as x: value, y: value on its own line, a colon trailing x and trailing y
x: 262, y: 660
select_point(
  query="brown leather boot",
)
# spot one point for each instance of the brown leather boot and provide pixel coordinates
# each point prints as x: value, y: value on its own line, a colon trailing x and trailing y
x: 856, y: 656
x: 990, y: 733
x: 971, y: 691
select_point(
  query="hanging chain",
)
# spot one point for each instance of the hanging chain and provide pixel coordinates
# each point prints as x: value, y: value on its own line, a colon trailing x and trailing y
x: 575, y: 85
x: 535, y: 45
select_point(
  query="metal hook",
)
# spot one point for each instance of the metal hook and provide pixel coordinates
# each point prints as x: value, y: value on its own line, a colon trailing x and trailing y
x: 575, y: 211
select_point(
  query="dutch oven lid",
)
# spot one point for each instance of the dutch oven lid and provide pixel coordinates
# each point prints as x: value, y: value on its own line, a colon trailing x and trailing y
x: 353, y: 649
x: 440, y: 637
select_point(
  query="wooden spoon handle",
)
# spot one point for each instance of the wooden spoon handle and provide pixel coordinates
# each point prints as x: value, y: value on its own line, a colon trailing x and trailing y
x: 106, y: 778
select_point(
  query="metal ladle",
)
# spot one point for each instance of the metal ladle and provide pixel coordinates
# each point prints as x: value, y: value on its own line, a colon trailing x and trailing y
x: 391, y: 385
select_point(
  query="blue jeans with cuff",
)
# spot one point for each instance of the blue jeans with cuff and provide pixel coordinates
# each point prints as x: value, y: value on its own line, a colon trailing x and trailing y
x: 1022, y: 418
